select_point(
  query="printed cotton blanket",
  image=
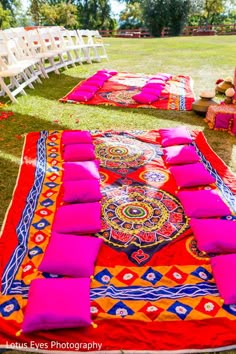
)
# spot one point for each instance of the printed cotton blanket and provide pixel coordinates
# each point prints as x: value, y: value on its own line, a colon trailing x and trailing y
x: 119, y: 89
x: 153, y: 289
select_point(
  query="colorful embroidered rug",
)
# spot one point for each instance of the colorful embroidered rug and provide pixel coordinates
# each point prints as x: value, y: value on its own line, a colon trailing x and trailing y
x: 119, y: 89
x: 153, y: 289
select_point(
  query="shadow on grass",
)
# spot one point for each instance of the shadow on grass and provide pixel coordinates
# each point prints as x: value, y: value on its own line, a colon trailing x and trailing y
x: 55, y: 87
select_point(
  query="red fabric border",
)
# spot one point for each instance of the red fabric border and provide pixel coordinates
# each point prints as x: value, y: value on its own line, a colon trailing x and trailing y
x: 8, y: 240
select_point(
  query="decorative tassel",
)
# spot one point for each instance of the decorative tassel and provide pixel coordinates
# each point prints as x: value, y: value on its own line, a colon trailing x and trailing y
x: 18, y: 333
x: 94, y: 325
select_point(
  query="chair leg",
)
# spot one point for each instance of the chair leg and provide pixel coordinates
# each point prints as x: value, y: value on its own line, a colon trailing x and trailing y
x: 54, y: 66
x: 7, y: 91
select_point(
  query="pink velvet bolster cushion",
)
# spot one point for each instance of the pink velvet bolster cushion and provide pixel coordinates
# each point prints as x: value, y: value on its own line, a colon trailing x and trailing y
x: 76, y: 137
x: 71, y: 255
x: 89, y: 88
x: 145, y: 98
x: 223, y: 268
x: 79, y: 152
x: 111, y: 72
x: 203, y: 204
x: 78, y: 218
x: 191, y: 175
x: 80, y: 95
x: 175, y: 136
x: 97, y: 81
x: 57, y: 303
x: 74, y: 171
x: 154, y: 86
x: 215, y: 235
x: 180, y: 155
x: 83, y: 191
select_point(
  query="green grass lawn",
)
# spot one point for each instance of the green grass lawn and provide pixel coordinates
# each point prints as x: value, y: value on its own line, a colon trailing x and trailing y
x: 205, y: 59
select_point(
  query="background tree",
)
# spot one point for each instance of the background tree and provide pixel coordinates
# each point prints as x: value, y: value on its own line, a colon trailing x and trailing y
x: 95, y: 14
x: 5, y: 18
x: 34, y: 11
x: 60, y: 14
x: 178, y: 15
x: 156, y: 15
x: 132, y: 16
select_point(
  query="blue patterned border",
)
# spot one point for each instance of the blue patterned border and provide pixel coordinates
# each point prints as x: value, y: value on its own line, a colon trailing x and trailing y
x: 153, y: 294
x: 23, y: 227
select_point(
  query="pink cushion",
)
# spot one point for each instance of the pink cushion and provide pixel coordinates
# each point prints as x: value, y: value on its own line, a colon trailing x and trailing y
x: 102, y: 75
x: 154, y: 86
x: 74, y: 171
x: 79, y: 152
x: 76, y: 137
x: 70, y: 255
x: 145, y: 98
x: 175, y: 136
x: 78, y: 218
x: 180, y: 154
x: 151, y: 91
x: 83, y: 191
x: 223, y: 268
x: 111, y: 72
x: 191, y: 175
x: 203, y: 204
x: 57, y: 303
x: 89, y: 88
x: 99, y: 82
x: 80, y: 95
x: 215, y: 235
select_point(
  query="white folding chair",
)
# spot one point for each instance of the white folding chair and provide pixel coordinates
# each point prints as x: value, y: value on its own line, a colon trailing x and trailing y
x: 88, y: 49
x: 72, y: 44
x: 15, y: 74
x: 95, y: 39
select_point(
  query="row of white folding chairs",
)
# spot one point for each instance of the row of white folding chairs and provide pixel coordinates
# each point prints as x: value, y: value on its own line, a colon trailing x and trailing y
x: 46, y: 49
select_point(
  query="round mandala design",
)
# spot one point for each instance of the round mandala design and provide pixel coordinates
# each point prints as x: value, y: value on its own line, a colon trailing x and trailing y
x: 121, y: 152
x: 123, y: 97
x: 141, y: 215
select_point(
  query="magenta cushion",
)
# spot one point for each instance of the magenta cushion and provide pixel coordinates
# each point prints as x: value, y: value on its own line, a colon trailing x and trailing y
x: 175, y: 136
x: 70, y: 255
x: 57, y: 303
x: 111, y: 72
x: 180, y: 154
x: 223, y: 268
x: 103, y: 76
x: 145, y: 98
x: 191, y: 175
x: 151, y: 91
x: 79, y: 152
x: 99, y: 82
x: 78, y: 218
x: 83, y: 191
x: 76, y: 137
x: 89, y: 88
x: 154, y: 86
x: 203, y: 204
x: 80, y: 95
x: 215, y: 235
x: 74, y: 171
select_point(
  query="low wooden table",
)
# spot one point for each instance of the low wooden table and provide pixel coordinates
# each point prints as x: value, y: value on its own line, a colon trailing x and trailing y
x: 222, y: 117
